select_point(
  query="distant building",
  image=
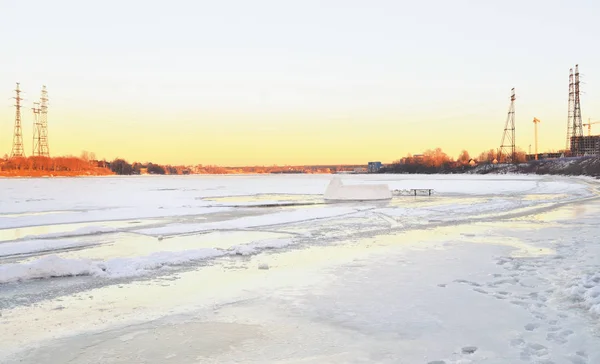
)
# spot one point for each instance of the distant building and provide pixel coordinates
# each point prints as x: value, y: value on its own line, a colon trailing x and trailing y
x: 587, y: 145
x: 374, y: 167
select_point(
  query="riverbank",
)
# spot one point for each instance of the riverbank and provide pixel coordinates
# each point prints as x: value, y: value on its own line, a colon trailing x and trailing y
x: 582, y: 166
x: 37, y: 173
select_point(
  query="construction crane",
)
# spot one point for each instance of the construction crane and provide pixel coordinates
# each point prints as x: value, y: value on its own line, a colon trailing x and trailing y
x: 589, y: 125
x: 536, y: 121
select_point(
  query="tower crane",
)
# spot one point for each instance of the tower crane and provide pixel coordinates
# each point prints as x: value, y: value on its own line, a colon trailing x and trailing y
x: 589, y: 125
x: 536, y: 121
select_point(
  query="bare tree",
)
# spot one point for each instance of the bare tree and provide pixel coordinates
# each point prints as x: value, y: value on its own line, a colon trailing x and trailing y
x: 464, y: 157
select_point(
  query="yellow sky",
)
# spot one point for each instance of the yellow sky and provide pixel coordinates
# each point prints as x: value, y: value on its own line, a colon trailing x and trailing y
x: 249, y: 139
x: 307, y: 82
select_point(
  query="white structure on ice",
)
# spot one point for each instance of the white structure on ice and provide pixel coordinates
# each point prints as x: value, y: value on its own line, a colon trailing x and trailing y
x: 336, y: 191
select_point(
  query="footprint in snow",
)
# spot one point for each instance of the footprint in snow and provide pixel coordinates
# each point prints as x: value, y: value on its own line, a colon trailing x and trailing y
x: 469, y: 349
x: 531, y: 326
x: 533, y: 350
x: 471, y: 283
x: 580, y: 357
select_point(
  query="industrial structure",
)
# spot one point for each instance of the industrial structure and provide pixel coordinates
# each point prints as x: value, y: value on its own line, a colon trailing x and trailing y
x: 374, y: 167
x: 507, y: 149
x: 40, y: 127
x: 589, y: 125
x: 577, y: 144
x: 17, y: 146
x: 536, y: 121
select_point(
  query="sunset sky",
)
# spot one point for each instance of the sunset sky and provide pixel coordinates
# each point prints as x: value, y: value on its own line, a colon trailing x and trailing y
x: 294, y: 82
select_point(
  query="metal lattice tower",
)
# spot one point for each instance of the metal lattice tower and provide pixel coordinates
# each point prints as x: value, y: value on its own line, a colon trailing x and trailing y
x: 575, y: 139
x: 507, y: 146
x: 43, y: 148
x: 17, y: 147
x: 570, y: 113
x: 36, y: 129
x: 577, y: 122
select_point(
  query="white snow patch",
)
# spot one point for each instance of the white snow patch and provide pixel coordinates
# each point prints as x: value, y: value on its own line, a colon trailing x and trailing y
x: 585, y: 292
x: 55, y: 266
x: 47, y: 267
x: 131, y: 267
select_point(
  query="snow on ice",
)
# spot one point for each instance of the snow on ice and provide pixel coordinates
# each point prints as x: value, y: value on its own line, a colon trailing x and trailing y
x: 55, y: 266
x: 491, y: 269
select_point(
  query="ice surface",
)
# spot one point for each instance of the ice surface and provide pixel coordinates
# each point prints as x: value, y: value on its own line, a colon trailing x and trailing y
x: 34, y: 246
x: 284, y: 217
x: 255, y: 247
x: 86, y: 230
x: 55, y: 266
x: 192, y: 205
x: 491, y: 269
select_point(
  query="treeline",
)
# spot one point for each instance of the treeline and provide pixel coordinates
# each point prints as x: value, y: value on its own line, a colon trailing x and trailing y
x: 122, y: 167
x: 41, y: 166
x: 200, y: 169
x: 437, y: 161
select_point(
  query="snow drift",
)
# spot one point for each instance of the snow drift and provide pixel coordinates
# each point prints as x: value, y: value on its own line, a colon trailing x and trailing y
x: 53, y: 266
x: 336, y: 191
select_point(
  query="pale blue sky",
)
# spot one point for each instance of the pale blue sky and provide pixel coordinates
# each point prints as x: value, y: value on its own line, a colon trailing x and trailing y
x: 426, y: 73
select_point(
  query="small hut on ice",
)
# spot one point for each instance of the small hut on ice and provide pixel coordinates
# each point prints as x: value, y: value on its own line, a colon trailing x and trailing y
x: 337, y: 191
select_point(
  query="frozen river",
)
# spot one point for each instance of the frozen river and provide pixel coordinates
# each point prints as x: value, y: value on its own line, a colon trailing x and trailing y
x: 224, y: 269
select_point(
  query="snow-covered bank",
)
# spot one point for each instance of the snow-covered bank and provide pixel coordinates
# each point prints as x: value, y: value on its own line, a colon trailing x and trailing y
x: 572, y: 166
